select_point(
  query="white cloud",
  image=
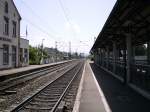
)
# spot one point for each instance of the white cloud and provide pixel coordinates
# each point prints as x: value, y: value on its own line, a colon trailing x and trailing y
x: 74, y: 27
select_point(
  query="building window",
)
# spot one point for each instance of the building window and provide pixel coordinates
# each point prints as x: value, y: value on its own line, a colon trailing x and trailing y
x: 21, y: 55
x: 5, y: 54
x: 14, y: 28
x: 6, y: 7
x: 6, y: 26
x: 14, y: 54
x: 25, y: 55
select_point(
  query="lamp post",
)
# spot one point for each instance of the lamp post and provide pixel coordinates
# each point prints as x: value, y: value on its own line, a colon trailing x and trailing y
x: 42, y: 51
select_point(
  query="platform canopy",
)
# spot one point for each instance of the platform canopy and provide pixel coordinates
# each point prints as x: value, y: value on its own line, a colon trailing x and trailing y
x: 127, y: 17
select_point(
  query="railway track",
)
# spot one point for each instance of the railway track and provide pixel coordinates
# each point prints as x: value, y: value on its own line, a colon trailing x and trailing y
x: 7, y: 85
x: 48, y: 98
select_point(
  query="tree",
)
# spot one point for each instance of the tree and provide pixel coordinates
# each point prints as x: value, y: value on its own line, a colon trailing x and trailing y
x: 33, y: 55
x: 36, y: 54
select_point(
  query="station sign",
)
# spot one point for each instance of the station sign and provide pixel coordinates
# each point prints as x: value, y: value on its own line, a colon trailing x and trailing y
x: 5, y: 39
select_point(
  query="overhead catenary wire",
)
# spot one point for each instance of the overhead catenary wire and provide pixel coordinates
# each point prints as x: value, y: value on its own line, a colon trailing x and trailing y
x: 66, y: 16
x: 35, y: 14
x: 64, y: 11
x: 41, y: 20
x: 38, y: 17
x: 37, y: 26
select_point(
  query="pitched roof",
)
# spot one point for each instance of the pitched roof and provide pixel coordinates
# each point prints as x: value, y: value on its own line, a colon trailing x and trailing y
x: 127, y: 16
x: 16, y: 9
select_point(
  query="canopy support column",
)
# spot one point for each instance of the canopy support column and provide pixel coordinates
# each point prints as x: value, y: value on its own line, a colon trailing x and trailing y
x: 114, y: 56
x: 148, y: 52
x: 107, y: 62
x: 129, y: 56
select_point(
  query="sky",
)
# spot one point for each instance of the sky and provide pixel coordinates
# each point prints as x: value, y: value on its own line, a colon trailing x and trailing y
x: 63, y: 21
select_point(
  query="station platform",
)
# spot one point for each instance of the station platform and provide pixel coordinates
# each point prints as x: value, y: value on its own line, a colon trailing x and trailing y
x: 90, y: 97
x: 27, y: 68
x: 101, y: 92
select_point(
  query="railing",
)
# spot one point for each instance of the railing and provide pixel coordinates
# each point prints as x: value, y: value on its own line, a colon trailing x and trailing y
x: 105, y: 63
x: 143, y: 62
x: 140, y: 76
x: 110, y: 64
x: 140, y: 71
x: 120, y: 68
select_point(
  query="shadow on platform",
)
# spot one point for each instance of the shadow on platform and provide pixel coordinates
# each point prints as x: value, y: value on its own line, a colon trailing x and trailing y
x: 120, y: 97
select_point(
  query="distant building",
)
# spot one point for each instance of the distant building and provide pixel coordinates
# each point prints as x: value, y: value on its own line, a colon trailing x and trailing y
x: 54, y: 55
x: 9, y: 35
x: 51, y: 53
x: 82, y: 55
x: 65, y: 56
x: 24, y: 52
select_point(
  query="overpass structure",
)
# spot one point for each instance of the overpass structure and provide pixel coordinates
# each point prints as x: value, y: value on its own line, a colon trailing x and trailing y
x: 127, y: 27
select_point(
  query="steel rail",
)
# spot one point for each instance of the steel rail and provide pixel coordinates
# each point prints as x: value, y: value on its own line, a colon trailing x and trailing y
x: 65, y: 91
x: 33, y: 75
x: 19, y: 107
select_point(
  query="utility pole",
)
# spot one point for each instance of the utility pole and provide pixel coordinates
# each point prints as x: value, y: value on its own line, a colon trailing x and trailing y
x: 42, y: 46
x: 56, y: 51
x: 69, y: 50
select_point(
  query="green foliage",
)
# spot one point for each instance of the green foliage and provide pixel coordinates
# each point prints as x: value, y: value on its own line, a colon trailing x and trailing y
x: 36, y: 54
x: 33, y: 55
x: 45, y: 54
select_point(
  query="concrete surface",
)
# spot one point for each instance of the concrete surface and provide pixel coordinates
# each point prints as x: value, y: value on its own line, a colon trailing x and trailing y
x: 91, y: 100
x: 120, y: 97
x: 30, y: 67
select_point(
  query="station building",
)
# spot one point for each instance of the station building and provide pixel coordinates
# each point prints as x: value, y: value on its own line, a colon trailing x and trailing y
x: 9, y: 35
x: 126, y: 28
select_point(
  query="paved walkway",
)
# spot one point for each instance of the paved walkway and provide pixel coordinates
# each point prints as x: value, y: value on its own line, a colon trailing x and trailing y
x: 91, y: 100
x: 30, y: 67
x: 120, y: 97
